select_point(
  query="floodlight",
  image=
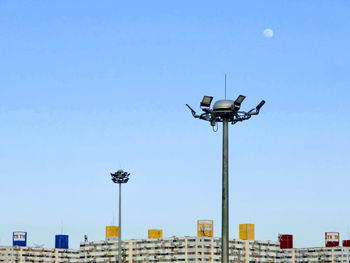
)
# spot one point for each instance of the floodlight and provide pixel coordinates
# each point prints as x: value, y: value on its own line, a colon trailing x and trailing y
x: 260, y: 105
x: 192, y: 110
x: 239, y: 101
x: 206, y: 101
x: 120, y: 177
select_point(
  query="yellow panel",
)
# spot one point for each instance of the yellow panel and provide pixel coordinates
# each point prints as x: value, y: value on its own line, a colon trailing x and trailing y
x: 155, y: 233
x: 112, y: 231
x: 247, y: 231
x: 205, y: 228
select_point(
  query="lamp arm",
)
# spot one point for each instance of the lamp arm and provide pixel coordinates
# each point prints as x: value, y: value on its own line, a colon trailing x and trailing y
x: 192, y: 111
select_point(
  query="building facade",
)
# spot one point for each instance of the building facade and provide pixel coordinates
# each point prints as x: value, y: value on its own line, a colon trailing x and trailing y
x: 18, y: 254
x: 318, y: 254
x: 175, y: 249
x: 179, y: 249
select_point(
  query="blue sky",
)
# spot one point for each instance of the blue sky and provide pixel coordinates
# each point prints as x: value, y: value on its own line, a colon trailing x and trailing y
x: 89, y: 87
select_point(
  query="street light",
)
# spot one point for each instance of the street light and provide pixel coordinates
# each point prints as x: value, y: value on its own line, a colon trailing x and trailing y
x: 120, y: 177
x: 224, y: 111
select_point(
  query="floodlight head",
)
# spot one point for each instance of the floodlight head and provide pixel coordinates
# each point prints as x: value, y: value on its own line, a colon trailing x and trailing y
x: 239, y: 101
x: 206, y: 101
x: 260, y: 105
x: 120, y: 177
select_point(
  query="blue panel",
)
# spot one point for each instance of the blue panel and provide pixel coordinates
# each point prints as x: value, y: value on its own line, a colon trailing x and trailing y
x: 19, y: 239
x: 61, y: 241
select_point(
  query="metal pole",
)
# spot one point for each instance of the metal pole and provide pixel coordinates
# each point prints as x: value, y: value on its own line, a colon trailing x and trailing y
x: 224, y: 225
x: 120, y: 226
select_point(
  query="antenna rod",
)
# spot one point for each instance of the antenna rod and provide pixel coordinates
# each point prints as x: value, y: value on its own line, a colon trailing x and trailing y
x: 225, y: 86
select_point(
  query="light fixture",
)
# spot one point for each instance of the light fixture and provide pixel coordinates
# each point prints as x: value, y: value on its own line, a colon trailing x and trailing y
x: 260, y: 105
x: 206, y: 101
x: 239, y: 101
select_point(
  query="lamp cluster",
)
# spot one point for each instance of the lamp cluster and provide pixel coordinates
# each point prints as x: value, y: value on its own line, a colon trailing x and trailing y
x: 224, y: 109
x: 120, y: 177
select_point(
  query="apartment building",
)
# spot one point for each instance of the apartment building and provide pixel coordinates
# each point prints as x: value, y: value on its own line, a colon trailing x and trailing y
x: 20, y: 254
x: 179, y: 249
x: 175, y: 249
x: 317, y: 254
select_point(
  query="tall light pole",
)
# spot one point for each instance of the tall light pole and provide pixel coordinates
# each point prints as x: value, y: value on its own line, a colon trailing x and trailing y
x: 224, y: 111
x: 120, y: 177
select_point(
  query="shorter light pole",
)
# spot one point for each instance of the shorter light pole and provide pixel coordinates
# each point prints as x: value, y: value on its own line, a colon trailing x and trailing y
x: 120, y: 177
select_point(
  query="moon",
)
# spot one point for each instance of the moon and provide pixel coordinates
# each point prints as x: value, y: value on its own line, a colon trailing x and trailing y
x: 268, y: 32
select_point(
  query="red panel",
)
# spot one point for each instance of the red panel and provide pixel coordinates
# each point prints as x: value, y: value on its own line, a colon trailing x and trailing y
x: 286, y: 241
x: 332, y: 244
x: 346, y: 243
